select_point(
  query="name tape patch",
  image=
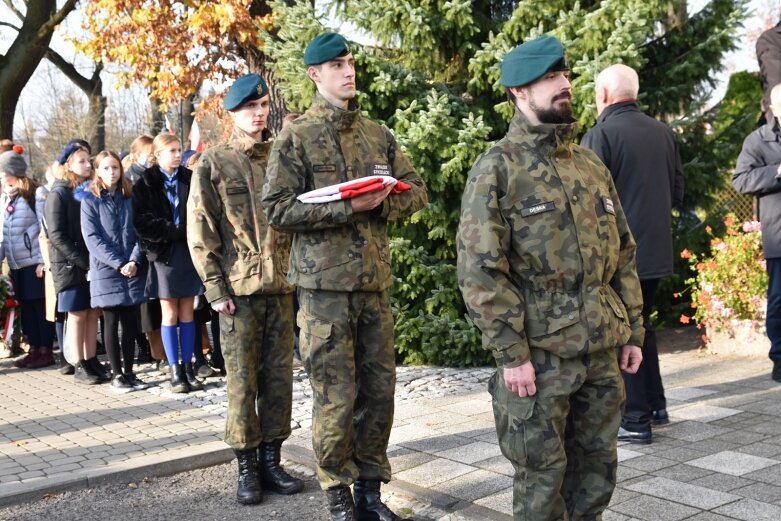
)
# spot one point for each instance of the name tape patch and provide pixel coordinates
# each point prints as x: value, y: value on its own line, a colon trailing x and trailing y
x: 324, y: 168
x: 537, y: 208
x: 379, y: 169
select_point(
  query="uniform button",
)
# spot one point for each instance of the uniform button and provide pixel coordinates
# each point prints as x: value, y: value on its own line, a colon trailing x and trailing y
x: 571, y: 316
x: 350, y: 255
x: 365, y: 243
x: 589, y: 288
x: 575, y: 198
x: 585, y: 243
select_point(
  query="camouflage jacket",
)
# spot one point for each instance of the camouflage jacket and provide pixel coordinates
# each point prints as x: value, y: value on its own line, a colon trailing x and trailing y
x: 333, y: 248
x: 233, y: 249
x: 545, y: 256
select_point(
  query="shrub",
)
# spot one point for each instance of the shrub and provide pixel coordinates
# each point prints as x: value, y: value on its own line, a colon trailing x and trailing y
x: 730, y: 283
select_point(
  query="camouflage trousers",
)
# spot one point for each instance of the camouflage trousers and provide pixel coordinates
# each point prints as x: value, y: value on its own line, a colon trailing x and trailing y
x: 257, y: 344
x: 346, y: 345
x: 562, y: 441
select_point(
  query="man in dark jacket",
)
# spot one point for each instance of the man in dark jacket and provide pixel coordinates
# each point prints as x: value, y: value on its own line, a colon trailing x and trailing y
x: 758, y: 173
x: 769, y: 58
x: 642, y: 156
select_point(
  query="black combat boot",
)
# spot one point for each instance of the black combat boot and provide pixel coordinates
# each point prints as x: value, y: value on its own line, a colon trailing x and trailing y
x: 368, y: 506
x: 340, y: 504
x: 144, y: 353
x: 272, y: 475
x: 192, y: 381
x: 248, y: 491
x: 178, y: 379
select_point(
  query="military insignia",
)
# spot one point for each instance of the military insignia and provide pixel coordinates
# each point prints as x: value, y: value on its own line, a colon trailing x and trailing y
x: 537, y: 208
x: 260, y: 89
x: 379, y: 169
x: 607, y: 202
x: 324, y: 168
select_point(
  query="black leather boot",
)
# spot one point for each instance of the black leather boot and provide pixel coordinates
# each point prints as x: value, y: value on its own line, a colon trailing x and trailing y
x: 192, y: 381
x: 248, y: 491
x: 178, y: 379
x: 144, y: 353
x: 340, y: 504
x: 272, y: 475
x: 368, y: 506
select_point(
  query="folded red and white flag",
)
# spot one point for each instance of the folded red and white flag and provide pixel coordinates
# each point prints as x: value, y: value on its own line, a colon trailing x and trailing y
x: 353, y: 188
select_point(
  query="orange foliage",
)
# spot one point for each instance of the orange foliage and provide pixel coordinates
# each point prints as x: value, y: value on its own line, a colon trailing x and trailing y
x: 171, y: 46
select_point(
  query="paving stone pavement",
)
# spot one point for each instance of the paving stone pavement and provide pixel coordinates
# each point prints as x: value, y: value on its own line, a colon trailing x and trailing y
x: 719, y: 459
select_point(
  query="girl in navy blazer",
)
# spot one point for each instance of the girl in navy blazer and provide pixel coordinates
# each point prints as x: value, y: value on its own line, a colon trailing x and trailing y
x: 117, y: 274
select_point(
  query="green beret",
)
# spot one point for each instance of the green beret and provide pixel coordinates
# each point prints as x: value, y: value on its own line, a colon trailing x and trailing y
x: 531, y: 60
x: 246, y: 88
x: 325, y: 47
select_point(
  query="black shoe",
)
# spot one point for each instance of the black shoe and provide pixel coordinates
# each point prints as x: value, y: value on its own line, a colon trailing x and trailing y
x: 272, y: 475
x: 660, y: 417
x: 65, y: 367
x: 368, y: 506
x: 776, y: 375
x: 83, y: 374
x: 138, y: 385
x: 248, y: 491
x: 192, y: 381
x: 99, y: 369
x: 204, y: 371
x: 340, y: 504
x: 178, y: 379
x: 119, y: 384
x: 643, y: 437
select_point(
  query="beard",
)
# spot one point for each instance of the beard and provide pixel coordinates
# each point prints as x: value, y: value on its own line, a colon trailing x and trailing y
x: 554, y: 114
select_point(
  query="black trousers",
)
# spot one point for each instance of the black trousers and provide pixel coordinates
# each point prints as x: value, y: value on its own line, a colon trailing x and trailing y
x: 644, y: 390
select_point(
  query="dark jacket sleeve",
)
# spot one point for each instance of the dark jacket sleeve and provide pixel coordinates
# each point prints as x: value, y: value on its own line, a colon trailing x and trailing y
x: 677, y: 184
x: 148, y: 219
x: 57, y: 220
x: 753, y: 176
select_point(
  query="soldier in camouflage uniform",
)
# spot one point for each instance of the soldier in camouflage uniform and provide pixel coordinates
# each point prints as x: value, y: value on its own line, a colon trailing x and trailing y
x: 547, y: 270
x: 340, y: 261
x: 243, y: 264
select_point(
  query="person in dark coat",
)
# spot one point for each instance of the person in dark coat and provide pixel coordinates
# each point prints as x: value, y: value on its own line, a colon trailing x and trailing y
x: 769, y: 58
x: 116, y: 270
x: 70, y: 262
x: 159, y: 208
x: 642, y: 156
x: 758, y: 173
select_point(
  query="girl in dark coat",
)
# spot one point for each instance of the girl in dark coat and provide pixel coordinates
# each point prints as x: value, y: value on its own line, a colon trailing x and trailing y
x: 116, y: 274
x: 159, y: 205
x: 70, y: 263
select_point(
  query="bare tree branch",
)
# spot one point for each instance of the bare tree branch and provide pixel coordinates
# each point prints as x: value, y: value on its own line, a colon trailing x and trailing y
x: 12, y: 26
x: 56, y: 18
x: 14, y: 10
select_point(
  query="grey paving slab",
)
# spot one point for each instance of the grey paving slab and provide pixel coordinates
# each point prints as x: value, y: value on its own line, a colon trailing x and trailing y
x: 474, y: 485
x: 685, y: 493
x: 750, y: 509
x: 471, y: 452
x: 682, y: 472
x: 686, y: 393
x: 760, y: 492
x: 435, y: 471
x: 723, y: 482
x: 502, y: 501
x: 693, y: 431
x: 625, y: 453
x: 703, y: 413
x: 733, y: 463
x: 650, y: 508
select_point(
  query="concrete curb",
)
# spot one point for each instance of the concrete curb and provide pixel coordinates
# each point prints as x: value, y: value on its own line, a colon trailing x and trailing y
x: 189, y: 458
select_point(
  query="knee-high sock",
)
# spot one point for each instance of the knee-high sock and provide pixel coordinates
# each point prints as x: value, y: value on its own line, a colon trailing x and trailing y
x: 170, y: 343
x: 187, y: 340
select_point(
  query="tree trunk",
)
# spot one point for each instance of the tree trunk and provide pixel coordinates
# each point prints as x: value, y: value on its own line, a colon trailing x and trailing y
x: 188, y: 115
x: 97, y: 121
x: 26, y: 52
x: 158, y: 118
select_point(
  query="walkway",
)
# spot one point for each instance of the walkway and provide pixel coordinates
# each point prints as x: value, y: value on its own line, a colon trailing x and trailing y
x: 719, y: 459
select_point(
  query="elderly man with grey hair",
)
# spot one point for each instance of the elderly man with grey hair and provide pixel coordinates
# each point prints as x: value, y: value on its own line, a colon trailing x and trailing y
x: 642, y: 156
x: 758, y: 173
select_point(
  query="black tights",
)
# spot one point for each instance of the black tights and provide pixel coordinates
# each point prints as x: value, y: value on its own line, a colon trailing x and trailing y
x: 128, y: 316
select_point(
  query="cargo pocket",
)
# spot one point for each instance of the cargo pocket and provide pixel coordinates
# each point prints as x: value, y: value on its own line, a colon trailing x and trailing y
x: 511, y: 413
x: 548, y: 312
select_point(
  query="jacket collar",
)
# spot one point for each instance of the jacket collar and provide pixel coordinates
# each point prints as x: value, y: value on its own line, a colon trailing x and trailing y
x: 548, y: 138
x: 618, y: 108
x: 341, y: 119
x: 770, y: 131
x: 243, y: 142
